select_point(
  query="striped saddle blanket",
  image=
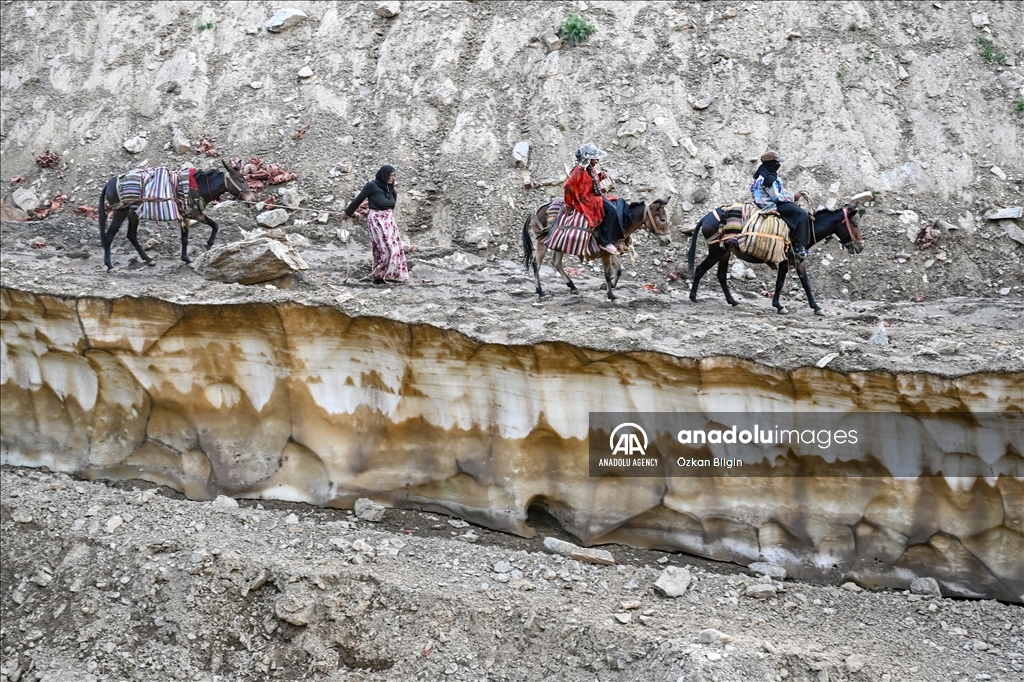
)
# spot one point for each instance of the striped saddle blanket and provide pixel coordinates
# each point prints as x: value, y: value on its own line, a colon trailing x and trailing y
x: 569, y: 232
x: 155, y: 193
x: 761, y: 234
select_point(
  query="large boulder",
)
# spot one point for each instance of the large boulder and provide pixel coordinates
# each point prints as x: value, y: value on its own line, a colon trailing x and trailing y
x: 250, y: 261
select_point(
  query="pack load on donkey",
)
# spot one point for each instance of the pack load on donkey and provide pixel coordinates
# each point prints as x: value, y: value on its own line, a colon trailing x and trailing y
x: 161, y: 194
x: 761, y: 234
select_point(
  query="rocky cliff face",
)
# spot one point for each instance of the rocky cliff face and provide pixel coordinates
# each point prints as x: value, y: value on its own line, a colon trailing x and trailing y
x: 308, y: 404
x: 919, y: 104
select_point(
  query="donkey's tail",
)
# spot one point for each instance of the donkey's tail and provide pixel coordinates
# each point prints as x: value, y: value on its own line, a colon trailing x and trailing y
x: 103, y: 216
x: 691, y: 254
x: 527, y: 245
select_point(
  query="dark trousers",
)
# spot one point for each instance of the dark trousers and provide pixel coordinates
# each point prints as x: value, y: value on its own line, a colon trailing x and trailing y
x: 610, y: 230
x: 799, y: 223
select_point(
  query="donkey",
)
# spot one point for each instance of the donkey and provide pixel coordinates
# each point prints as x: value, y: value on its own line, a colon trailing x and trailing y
x: 825, y: 224
x: 212, y: 184
x: 652, y: 217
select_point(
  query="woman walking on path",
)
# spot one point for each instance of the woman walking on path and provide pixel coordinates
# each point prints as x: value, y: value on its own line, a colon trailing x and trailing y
x: 388, y: 256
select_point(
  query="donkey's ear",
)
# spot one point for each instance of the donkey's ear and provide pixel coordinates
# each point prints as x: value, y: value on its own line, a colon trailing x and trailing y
x: 226, y: 166
x: 854, y: 205
x: 662, y: 201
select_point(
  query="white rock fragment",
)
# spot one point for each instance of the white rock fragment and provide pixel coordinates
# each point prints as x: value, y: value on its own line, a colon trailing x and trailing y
x: 998, y: 172
x: 114, y: 523
x: 823, y: 362
x: 761, y: 590
x: 712, y: 636
x: 673, y: 581
x: 225, y: 502
x: 25, y: 199
x: 851, y: 587
x: 256, y: 85
x: 179, y: 143
x: 271, y: 219
x: 925, y: 586
x: 389, y: 9
x: 305, y: 72
x: 135, y: 144
x: 445, y: 94
x: 549, y: 67
x: 1012, y: 213
x: 769, y: 569
x: 368, y: 510
x: 855, y: 663
x: 521, y: 153
x: 285, y: 19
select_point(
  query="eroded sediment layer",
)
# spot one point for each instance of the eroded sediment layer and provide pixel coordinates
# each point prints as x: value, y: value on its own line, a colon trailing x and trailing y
x: 301, y: 403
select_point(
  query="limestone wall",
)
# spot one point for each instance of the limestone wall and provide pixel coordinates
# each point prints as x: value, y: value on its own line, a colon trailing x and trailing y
x: 308, y: 404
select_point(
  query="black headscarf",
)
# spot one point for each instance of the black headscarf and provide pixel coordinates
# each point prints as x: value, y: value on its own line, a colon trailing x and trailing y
x: 769, y: 171
x: 382, y: 179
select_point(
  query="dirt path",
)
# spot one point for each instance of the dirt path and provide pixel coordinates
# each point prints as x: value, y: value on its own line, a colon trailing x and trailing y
x: 491, y: 299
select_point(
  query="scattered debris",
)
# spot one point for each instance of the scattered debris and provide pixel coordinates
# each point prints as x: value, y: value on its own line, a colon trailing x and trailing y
x: 47, y: 159
x: 206, y: 148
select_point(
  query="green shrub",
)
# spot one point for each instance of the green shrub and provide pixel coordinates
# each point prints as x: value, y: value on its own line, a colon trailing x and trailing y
x: 204, y: 26
x: 1020, y: 104
x: 989, y: 52
x: 575, y: 29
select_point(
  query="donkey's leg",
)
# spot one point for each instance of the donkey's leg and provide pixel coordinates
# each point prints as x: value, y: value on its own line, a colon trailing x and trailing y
x: 780, y: 281
x: 722, y: 274
x: 801, y: 271
x: 705, y: 265
x: 214, y: 227
x: 184, y: 240
x: 542, y: 252
x: 617, y: 267
x: 108, y: 237
x: 606, y: 261
x: 561, y: 270
x: 133, y: 236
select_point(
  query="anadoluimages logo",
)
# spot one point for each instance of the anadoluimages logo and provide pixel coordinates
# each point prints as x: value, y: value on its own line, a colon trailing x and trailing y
x: 628, y: 442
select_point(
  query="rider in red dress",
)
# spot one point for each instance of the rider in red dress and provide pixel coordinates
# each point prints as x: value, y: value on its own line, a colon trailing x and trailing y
x: 583, y: 193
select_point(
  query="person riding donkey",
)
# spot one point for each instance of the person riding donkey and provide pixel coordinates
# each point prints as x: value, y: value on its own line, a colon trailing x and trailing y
x: 604, y: 213
x: 768, y: 193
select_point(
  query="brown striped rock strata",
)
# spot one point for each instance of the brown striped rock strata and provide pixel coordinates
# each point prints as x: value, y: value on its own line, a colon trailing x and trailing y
x: 308, y: 404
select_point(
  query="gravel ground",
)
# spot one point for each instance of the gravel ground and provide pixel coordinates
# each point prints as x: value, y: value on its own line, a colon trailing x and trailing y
x: 127, y: 582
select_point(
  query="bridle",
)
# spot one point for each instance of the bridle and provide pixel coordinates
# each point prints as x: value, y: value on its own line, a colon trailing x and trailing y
x: 851, y: 229
x: 230, y: 185
x: 649, y: 220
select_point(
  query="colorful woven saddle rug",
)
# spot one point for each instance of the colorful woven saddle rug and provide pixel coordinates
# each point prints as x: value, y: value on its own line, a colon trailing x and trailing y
x: 569, y: 232
x: 154, y: 193
x: 761, y: 234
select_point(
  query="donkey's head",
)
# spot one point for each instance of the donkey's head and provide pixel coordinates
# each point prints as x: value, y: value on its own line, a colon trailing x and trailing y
x: 656, y: 220
x: 849, y: 230
x: 235, y: 182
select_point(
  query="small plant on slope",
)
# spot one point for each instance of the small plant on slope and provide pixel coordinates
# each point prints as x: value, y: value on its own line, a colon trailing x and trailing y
x: 575, y: 29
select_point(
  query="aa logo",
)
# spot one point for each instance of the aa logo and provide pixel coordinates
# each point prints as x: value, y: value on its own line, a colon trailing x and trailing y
x: 629, y: 441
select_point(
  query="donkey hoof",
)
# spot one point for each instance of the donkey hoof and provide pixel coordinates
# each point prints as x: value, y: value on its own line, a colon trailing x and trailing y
x: 783, y: 310
x: 819, y: 311
x: 150, y: 261
x: 574, y: 290
x: 734, y: 303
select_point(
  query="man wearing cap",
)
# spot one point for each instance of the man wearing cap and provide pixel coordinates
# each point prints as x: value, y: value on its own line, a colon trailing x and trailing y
x: 769, y: 193
x: 583, y: 193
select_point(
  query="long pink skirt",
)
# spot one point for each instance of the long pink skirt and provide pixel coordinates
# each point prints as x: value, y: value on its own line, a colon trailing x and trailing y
x: 388, y: 257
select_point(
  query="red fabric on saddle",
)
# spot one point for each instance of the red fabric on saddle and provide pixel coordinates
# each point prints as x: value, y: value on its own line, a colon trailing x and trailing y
x: 192, y: 184
x: 580, y: 196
